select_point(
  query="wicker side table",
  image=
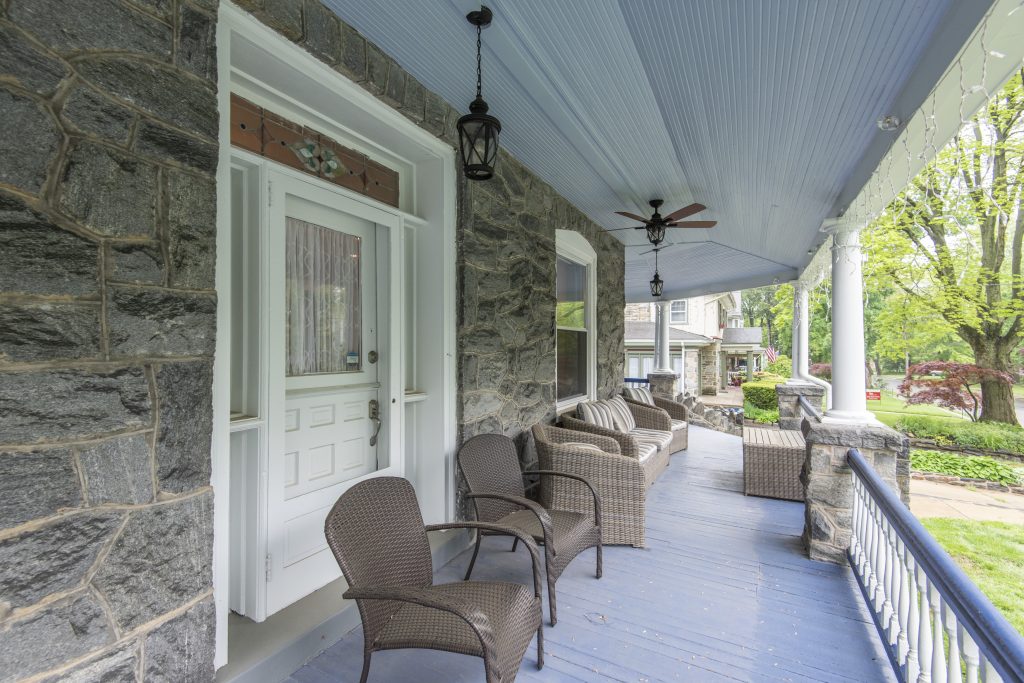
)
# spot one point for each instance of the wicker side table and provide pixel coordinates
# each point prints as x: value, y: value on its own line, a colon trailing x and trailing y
x: 772, y: 460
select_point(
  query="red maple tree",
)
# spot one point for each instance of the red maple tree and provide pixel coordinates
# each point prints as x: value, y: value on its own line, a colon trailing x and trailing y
x: 956, y: 386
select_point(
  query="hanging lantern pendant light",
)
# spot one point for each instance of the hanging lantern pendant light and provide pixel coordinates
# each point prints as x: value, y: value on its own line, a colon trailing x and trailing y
x: 478, y: 130
x: 657, y: 284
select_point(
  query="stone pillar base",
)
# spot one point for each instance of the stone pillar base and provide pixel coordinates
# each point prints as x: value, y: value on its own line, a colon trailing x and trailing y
x: 790, y: 415
x: 663, y: 384
x: 828, y: 480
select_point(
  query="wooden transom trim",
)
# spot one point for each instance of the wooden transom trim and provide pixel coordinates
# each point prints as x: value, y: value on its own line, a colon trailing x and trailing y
x: 263, y: 132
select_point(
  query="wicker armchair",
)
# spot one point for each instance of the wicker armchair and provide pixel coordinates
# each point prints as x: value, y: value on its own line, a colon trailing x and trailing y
x: 676, y: 411
x: 490, y: 465
x: 618, y: 479
x: 649, y: 421
x: 376, y: 533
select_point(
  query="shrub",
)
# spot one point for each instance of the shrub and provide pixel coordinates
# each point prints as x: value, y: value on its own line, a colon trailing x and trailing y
x: 971, y: 466
x: 990, y: 436
x: 822, y: 370
x: 760, y: 415
x: 781, y: 366
x: 948, y: 384
x: 761, y: 394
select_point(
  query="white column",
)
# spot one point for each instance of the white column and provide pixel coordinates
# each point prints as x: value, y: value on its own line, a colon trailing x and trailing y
x: 848, y: 385
x: 662, y: 361
x: 657, y: 335
x: 804, y: 330
x: 799, y: 326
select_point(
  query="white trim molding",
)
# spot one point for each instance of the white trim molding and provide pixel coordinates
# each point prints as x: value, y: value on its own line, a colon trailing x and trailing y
x: 574, y: 247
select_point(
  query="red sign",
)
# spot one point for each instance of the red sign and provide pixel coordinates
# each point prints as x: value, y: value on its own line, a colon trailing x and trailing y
x: 873, y: 394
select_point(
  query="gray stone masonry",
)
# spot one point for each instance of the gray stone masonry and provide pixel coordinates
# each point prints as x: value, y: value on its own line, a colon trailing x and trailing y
x: 709, y: 369
x: 790, y: 414
x: 828, y: 480
x: 663, y: 384
x: 107, y: 326
x: 719, y: 418
x: 505, y: 240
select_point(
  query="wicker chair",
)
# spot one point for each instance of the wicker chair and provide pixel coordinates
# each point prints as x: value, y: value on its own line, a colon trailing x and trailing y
x: 649, y: 420
x: 490, y: 465
x: 376, y: 533
x: 618, y: 479
x: 676, y: 411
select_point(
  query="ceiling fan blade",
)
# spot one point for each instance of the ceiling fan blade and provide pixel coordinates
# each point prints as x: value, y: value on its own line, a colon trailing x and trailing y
x: 633, y: 216
x: 685, y: 211
x: 693, y: 224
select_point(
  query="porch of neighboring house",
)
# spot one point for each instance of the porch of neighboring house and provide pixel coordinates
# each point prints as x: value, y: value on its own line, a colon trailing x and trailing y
x: 723, y: 591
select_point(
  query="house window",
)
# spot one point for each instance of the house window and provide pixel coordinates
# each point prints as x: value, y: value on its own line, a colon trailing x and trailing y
x: 679, y: 311
x: 575, y: 340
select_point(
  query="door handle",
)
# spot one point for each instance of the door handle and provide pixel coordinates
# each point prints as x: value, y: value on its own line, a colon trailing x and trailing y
x: 375, y: 416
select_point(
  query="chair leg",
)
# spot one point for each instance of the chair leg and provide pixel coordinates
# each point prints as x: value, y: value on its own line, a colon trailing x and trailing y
x: 476, y: 550
x: 600, y: 558
x: 552, y: 607
x: 540, y: 645
x: 515, y: 543
x: 366, y: 666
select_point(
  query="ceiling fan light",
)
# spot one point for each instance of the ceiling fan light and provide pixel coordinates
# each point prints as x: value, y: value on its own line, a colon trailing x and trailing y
x: 655, y: 233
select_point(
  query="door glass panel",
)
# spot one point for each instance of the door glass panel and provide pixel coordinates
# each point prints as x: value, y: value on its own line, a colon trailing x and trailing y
x: 322, y: 300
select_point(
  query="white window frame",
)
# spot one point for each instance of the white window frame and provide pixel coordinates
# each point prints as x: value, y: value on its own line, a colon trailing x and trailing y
x: 574, y: 247
x: 685, y: 312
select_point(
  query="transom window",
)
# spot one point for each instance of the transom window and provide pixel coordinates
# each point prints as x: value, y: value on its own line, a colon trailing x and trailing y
x: 679, y: 311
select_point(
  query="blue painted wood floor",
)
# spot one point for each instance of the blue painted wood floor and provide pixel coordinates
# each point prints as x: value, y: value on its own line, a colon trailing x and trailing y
x: 722, y: 592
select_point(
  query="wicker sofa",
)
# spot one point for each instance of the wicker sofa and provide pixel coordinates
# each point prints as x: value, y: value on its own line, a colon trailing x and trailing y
x: 642, y: 432
x: 676, y: 411
x: 618, y: 479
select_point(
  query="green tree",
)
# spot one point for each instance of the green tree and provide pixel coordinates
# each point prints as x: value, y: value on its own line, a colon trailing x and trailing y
x: 758, y: 311
x: 952, y: 240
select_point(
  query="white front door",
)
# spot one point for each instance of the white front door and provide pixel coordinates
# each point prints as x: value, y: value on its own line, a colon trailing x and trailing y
x: 326, y: 418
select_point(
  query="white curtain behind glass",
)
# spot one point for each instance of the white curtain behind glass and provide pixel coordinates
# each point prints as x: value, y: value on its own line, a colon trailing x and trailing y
x: 322, y: 294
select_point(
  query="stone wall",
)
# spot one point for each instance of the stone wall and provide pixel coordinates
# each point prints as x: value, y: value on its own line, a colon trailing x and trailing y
x: 691, y: 371
x: 643, y: 313
x: 506, y: 246
x: 710, y: 372
x: 107, y: 323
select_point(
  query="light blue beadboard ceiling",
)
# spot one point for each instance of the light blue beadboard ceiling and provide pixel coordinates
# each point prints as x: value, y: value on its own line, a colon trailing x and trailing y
x: 764, y: 110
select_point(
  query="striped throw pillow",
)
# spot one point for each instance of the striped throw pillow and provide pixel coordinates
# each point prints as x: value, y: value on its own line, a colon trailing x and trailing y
x: 639, y: 394
x: 622, y: 414
x: 596, y: 413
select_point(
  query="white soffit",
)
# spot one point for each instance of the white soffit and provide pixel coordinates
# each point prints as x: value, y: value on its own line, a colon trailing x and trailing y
x: 764, y: 111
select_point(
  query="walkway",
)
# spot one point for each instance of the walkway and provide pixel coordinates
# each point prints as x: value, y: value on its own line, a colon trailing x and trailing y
x: 935, y: 499
x: 722, y: 593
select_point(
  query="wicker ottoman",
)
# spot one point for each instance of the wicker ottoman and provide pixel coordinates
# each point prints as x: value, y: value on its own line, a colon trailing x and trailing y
x: 772, y: 460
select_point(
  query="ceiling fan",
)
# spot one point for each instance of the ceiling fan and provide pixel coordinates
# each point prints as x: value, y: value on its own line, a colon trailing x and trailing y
x: 656, y: 224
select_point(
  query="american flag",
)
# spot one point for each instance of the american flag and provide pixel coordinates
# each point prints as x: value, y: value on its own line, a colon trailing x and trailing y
x: 771, y: 354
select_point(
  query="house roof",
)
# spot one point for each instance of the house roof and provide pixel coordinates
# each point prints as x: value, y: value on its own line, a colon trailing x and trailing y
x: 765, y: 112
x: 645, y: 331
x: 741, y: 335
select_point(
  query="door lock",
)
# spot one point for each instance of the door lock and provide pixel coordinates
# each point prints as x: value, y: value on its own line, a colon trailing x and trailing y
x: 375, y: 417
x: 372, y: 357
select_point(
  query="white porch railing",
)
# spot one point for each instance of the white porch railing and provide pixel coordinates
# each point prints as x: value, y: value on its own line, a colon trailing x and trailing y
x: 936, y: 624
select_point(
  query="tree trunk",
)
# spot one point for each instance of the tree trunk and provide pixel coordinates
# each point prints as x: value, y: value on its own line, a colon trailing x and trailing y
x: 997, y: 403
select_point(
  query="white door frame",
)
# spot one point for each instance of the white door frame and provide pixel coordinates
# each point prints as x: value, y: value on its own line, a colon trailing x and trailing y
x: 254, y: 59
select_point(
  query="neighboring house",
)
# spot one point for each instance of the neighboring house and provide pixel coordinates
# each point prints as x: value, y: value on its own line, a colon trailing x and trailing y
x: 704, y: 331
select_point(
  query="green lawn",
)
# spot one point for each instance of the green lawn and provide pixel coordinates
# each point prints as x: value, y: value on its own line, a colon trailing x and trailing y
x: 890, y: 408
x: 992, y: 554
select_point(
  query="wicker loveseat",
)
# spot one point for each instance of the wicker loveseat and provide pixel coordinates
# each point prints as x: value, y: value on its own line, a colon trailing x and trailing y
x: 618, y: 479
x: 642, y: 432
x: 676, y: 411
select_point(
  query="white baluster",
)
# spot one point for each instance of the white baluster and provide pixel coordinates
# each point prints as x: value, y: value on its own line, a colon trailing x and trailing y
x: 953, y: 670
x: 876, y: 564
x: 924, y: 643
x: 988, y: 672
x: 859, y: 513
x: 903, y: 601
x: 869, y: 556
x: 970, y: 649
x: 938, y: 655
x: 888, y: 612
x: 913, y: 618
